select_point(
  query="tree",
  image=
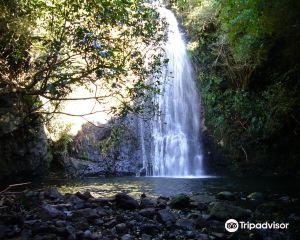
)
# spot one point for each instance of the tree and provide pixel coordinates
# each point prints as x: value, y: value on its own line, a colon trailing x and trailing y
x: 50, y: 47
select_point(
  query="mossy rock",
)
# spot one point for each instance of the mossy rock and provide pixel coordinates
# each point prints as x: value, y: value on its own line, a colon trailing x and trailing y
x: 180, y: 202
x: 225, y: 211
x: 225, y: 195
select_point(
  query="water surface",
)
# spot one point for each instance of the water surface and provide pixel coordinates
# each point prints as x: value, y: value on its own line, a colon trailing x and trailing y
x: 158, y: 186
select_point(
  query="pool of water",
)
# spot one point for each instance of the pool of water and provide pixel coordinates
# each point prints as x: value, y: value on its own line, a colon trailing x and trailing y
x: 156, y: 186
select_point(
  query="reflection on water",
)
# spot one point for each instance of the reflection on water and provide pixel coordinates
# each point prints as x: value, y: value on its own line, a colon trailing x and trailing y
x: 171, y: 186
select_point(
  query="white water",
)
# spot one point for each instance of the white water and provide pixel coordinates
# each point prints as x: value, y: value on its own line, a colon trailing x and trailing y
x: 176, y: 148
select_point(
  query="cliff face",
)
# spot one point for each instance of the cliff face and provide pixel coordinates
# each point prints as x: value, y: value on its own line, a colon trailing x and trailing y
x: 104, y: 150
x: 26, y: 151
x: 23, y: 145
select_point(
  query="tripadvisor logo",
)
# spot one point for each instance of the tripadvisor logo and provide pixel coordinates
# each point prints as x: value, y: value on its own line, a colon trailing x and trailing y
x: 233, y: 225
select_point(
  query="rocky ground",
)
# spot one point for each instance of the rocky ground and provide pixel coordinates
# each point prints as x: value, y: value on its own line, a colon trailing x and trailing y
x: 48, y: 214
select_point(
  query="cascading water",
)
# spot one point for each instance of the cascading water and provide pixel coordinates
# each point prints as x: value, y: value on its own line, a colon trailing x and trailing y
x: 176, y: 148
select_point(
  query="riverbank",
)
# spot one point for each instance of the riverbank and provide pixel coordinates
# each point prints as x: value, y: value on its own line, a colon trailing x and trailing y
x: 48, y: 214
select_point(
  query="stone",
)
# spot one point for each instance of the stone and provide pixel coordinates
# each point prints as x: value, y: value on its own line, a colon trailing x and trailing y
x: 126, y: 202
x: 186, y: 224
x: 63, y: 206
x: 218, y: 235
x: 31, y: 194
x: 127, y: 237
x: 52, y: 211
x: 72, y: 232
x: 284, y: 199
x: 203, y: 236
x: 87, y: 234
x: 102, y: 212
x: 89, y: 213
x: 202, y: 206
x: 149, y: 228
x: 166, y: 216
x: 97, y: 236
x: 180, y: 202
x: 190, y: 234
x: 147, y: 203
x: 143, y: 172
x: 267, y: 210
x: 61, y: 231
x: 225, y: 195
x: 52, y: 193
x: 98, y: 222
x: 224, y: 211
x: 110, y: 223
x: 84, y: 196
x: 76, y: 202
x: 60, y: 223
x: 256, y: 197
x: 121, y: 228
x: 148, y: 212
x: 102, y: 201
x: 201, y: 222
x: 50, y: 236
x: 146, y: 237
x: 131, y: 224
x: 81, y: 224
x: 162, y: 202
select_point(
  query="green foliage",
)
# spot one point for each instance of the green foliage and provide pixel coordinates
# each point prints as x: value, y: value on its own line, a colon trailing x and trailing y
x: 113, y: 141
x: 246, y: 59
x: 247, y: 25
x: 119, y: 134
x: 61, y: 147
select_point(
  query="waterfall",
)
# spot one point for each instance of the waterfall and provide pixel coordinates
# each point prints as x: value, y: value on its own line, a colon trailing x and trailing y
x: 176, y: 147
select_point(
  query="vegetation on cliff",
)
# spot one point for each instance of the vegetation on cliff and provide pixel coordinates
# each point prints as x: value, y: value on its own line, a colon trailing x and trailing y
x: 247, y: 62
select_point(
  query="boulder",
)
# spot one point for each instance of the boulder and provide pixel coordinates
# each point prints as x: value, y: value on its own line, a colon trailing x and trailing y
x: 143, y: 172
x: 256, y: 197
x: 180, y: 202
x: 121, y: 228
x: 84, y: 196
x: 166, y: 216
x: 147, y: 203
x: 268, y: 210
x: 224, y: 211
x: 285, y: 199
x: 148, y: 212
x: 162, y: 202
x: 127, y: 237
x: 52, y: 211
x: 76, y: 202
x: 225, y: 195
x: 126, y: 202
